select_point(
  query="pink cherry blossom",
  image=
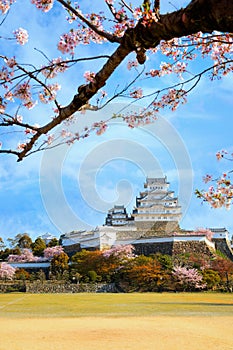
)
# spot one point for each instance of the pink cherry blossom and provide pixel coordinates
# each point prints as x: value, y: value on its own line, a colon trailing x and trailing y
x: 89, y: 76
x: 21, y: 36
x: 5, y: 5
x: 6, y: 271
x: 44, y: 5
x: 50, y: 252
x: 132, y: 64
x: 189, y: 278
x: 136, y: 93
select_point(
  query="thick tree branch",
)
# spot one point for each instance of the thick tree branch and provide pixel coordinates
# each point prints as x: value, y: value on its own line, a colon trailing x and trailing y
x: 200, y: 15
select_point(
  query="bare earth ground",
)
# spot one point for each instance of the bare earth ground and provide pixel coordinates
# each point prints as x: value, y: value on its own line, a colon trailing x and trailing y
x: 117, y: 333
x: 128, y: 321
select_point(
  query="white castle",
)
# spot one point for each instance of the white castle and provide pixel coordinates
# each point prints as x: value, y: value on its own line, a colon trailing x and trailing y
x: 157, y: 203
x: 152, y: 227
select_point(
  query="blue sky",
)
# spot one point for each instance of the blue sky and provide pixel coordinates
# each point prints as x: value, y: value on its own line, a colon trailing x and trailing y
x: 73, y: 187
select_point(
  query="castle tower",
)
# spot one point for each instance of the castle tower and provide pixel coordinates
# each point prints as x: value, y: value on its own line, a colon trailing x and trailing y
x: 117, y: 216
x: 156, y: 204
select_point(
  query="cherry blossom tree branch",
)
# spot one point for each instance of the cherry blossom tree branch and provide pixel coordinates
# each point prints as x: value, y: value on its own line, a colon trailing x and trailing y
x: 108, y: 36
x: 200, y: 15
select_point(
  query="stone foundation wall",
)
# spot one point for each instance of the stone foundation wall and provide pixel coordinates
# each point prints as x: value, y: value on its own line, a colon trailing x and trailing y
x: 174, y: 248
x: 56, y: 287
x: 192, y: 247
x: 224, y: 247
x: 153, y: 248
x: 12, y: 286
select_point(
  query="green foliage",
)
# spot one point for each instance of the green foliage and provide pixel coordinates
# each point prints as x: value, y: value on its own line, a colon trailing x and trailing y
x: 5, y: 253
x: 165, y: 261
x: 21, y: 240
x: 211, y: 278
x: 38, y: 247
x: 53, y: 243
x: 21, y: 274
x: 92, y: 275
x: 59, y: 264
x: 220, y: 254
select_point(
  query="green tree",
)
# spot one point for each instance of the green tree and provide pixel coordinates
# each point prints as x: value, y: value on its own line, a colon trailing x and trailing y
x: 143, y: 274
x: 38, y: 246
x: 211, y: 278
x: 92, y: 276
x: 21, y: 240
x: 21, y: 274
x: 59, y: 265
x: 224, y: 267
x: 53, y: 243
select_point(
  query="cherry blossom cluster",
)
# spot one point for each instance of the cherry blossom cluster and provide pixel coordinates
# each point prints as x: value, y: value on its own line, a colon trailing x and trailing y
x: 101, y: 127
x: 25, y: 256
x: 6, y: 271
x: 223, y: 154
x: 21, y: 36
x: 136, y: 93
x: 89, y: 76
x: 49, y: 93
x: 217, y: 46
x: 221, y: 193
x: 57, y: 65
x: 188, y: 276
x: 146, y: 15
x: 132, y: 64
x: 204, y: 231
x: 136, y: 119
x: 50, y: 252
x: 44, y: 5
x: 172, y: 100
x: 22, y: 92
x: 120, y: 251
x: 84, y: 35
x: 5, y: 5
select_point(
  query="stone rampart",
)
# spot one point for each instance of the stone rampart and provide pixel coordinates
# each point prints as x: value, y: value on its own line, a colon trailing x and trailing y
x: 192, y: 247
x: 153, y: 248
x: 224, y: 247
x: 174, y: 246
x: 59, y: 287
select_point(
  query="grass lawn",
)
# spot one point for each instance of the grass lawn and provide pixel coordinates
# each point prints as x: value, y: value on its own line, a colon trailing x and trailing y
x: 116, y: 321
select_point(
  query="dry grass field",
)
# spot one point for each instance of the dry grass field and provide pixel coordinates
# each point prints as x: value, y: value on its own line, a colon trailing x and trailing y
x: 116, y: 321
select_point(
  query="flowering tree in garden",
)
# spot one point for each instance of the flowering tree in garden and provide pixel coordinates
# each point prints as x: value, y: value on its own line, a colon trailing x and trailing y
x: 6, y: 271
x: 25, y: 256
x: 120, y: 252
x: 188, y: 279
x: 139, y: 36
x: 50, y: 252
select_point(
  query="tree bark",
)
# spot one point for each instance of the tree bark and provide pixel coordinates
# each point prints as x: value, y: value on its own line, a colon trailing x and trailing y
x: 199, y: 16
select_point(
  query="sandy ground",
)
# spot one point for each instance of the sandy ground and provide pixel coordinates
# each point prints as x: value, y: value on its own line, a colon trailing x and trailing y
x: 144, y: 333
